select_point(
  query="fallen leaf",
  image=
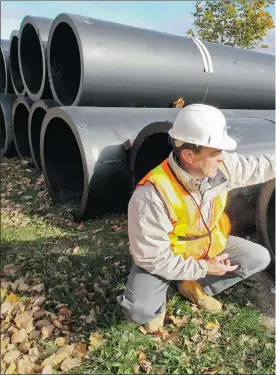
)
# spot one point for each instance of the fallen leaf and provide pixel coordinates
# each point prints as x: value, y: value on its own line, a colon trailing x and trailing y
x: 178, y: 320
x: 12, y: 298
x: 60, y: 341
x: 57, y: 324
x: 42, y: 323
x: 142, y: 329
x: 79, y: 350
x: 55, y: 359
x: 25, y: 321
x: 212, y: 325
x: 25, y: 366
x: 200, y: 348
x: 65, y: 311
x: 70, y: 363
x: 38, y: 288
x: 210, y: 371
x: 196, y: 337
x: 6, y: 307
x: 47, y: 370
x: 3, y: 294
x: 76, y: 250
x: 11, y: 369
x: 136, y: 369
x: 34, y: 335
x: 81, y: 225
x: 141, y: 356
x: 24, y: 346
x: 146, y: 366
x: 19, y: 336
x: 33, y: 354
x: 47, y: 331
x: 38, y: 314
x: 11, y: 356
x: 22, y: 287
x: 96, y: 340
x: 10, y: 269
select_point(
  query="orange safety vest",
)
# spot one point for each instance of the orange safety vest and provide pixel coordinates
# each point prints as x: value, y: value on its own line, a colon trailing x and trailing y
x: 184, y: 213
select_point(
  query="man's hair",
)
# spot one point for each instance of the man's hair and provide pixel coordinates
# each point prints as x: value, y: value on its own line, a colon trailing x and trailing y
x: 178, y: 146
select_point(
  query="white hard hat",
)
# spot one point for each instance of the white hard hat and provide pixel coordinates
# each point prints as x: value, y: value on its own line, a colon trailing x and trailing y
x: 202, y: 125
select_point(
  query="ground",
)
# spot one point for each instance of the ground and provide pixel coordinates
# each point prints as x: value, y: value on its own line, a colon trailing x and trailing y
x: 59, y: 283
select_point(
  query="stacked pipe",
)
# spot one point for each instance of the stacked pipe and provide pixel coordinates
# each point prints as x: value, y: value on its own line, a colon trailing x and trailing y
x: 93, y: 102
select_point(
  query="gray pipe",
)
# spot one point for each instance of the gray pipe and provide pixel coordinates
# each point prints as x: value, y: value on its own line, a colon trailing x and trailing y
x: 108, y: 64
x: 37, y: 113
x: 33, y: 38
x: 20, y: 115
x: 5, y: 78
x: 16, y: 78
x: 7, y: 147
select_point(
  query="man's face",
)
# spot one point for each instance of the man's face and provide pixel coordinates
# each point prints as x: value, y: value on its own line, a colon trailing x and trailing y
x: 203, y: 164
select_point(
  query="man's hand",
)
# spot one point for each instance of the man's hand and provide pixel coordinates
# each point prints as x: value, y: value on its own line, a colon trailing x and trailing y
x: 219, y: 265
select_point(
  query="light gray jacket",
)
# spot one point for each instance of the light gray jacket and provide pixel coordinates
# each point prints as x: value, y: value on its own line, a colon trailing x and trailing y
x: 149, y: 223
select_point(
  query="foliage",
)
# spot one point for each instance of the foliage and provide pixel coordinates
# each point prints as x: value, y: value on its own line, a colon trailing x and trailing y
x: 239, y: 23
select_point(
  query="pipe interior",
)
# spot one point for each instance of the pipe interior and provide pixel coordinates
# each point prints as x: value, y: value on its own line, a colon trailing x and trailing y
x: 63, y: 162
x: 15, y: 71
x: 65, y: 64
x: 36, y: 124
x: 3, y: 133
x: 21, y: 130
x: 151, y: 153
x: 3, y: 73
x: 31, y: 58
x: 271, y: 221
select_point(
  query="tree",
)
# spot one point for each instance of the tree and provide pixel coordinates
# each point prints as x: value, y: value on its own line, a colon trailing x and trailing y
x: 239, y: 23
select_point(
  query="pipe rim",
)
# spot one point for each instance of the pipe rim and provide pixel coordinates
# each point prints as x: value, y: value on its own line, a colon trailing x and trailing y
x: 29, y: 20
x: 59, y: 113
x: 68, y: 19
x: 5, y: 73
x: 15, y: 34
x: 25, y: 102
x: 3, y: 150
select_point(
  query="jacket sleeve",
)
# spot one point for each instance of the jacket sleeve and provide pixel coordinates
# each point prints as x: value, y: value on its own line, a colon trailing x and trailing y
x: 251, y: 170
x: 148, y: 228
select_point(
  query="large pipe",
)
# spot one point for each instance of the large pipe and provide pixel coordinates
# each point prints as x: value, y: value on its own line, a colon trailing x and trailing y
x: 33, y: 38
x: 20, y: 116
x: 16, y: 78
x: 5, y: 78
x: 82, y: 155
x: 7, y: 147
x: 37, y: 113
x: 108, y: 64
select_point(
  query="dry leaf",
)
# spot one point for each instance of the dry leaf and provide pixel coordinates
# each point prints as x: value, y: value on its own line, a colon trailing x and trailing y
x: 96, y: 340
x: 39, y: 301
x: 207, y: 371
x: 57, y: 324
x: 38, y: 314
x: 47, y: 331
x: 12, y: 298
x: 3, y: 294
x: 80, y: 226
x: 11, y: 356
x: 196, y: 337
x: 65, y: 311
x: 200, y: 348
x: 10, y: 269
x: 38, y: 288
x: 6, y: 307
x: 212, y: 325
x: 19, y: 336
x: 33, y: 354
x: 34, y: 335
x: 25, y: 321
x: 178, y: 320
x: 11, y: 369
x: 42, y: 323
x: 70, y: 363
x: 25, y: 346
x: 141, y: 356
x: 25, y: 366
x: 146, y: 366
x: 136, y: 369
x: 79, y: 350
x: 22, y: 287
x: 55, y: 359
x: 142, y: 329
x: 60, y: 341
x: 47, y: 370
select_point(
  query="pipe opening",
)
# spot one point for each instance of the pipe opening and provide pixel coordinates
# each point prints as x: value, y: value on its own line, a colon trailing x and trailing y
x: 152, y: 152
x: 20, y: 126
x: 65, y: 66
x: 3, y: 134
x: 271, y: 221
x: 3, y: 73
x: 15, y: 71
x: 31, y: 58
x: 63, y: 162
x: 36, y: 124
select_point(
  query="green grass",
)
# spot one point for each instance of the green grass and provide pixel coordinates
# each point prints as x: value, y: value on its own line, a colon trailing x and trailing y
x: 50, y: 248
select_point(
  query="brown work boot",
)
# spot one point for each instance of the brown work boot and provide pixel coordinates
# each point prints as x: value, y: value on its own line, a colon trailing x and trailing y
x: 156, y: 323
x: 193, y: 291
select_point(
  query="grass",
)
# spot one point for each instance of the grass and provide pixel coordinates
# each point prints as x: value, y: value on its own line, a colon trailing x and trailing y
x: 86, y: 267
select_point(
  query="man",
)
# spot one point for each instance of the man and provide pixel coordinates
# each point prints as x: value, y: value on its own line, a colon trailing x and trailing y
x: 176, y: 222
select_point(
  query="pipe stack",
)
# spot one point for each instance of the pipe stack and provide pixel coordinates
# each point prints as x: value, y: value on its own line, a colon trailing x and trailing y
x: 94, y: 97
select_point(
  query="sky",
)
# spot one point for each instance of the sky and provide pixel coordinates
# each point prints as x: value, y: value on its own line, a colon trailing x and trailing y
x: 168, y: 16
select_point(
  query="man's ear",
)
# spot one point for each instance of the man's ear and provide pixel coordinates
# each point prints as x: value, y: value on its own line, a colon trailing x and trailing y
x: 187, y: 155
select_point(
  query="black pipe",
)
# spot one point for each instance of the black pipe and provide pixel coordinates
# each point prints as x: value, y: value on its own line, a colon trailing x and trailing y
x: 7, y: 147
x: 5, y: 78
x: 16, y: 78
x: 37, y: 113
x: 82, y: 155
x: 20, y: 115
x: 108, y: 64
x: 33, y: 38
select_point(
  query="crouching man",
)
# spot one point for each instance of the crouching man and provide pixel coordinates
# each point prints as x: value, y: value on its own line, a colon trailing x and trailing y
x: 177, y: 226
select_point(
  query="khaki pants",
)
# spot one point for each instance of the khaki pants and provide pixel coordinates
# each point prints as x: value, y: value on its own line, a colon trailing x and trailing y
x: 145, y: 294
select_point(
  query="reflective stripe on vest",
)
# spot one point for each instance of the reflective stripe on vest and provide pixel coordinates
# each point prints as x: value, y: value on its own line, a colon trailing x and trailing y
x: 186, y: 238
